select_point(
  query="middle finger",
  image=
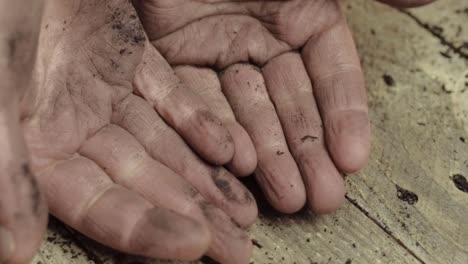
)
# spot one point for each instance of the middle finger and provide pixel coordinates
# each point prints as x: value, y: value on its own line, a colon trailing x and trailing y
x: 277, y: 172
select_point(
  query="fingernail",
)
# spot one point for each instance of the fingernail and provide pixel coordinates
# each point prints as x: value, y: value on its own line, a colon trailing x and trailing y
x: 7, y: 244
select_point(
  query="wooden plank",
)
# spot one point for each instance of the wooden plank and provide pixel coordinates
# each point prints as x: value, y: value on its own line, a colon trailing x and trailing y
x: 448, y: 20
x: 419, y: 129
x: 60, y: 247
x: 418, y: 126
x: 345, y: 236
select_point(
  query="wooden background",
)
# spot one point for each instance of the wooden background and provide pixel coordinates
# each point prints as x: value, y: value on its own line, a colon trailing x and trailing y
x: 410, y: 205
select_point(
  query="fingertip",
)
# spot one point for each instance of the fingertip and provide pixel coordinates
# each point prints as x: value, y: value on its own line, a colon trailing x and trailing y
x: 348, y: 139
x: 161, y: 233
x: 248, y: 216
x: 282, y: 183
x: 350, y: 154
x: 230, y: 243
x: 290, y: 203
x: 244, y: 161
x: 327, y: 198
x: 25, y: 243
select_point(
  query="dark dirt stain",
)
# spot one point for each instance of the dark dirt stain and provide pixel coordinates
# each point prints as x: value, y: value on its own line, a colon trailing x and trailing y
x: 35, y: 195
x: 279, y: 152
x: 406, y: 196
x: 257, y: 244
x: 204, y: 120
x: 14, y: 41
x: 309, y: 138
x: 248, y: 197
x: 348, y: 261
x: 12, y: 48
x: 388, y: 79
x: 128, y: 31
x: 460, y: 182
x: 223, y: 185
x: 462, y: 139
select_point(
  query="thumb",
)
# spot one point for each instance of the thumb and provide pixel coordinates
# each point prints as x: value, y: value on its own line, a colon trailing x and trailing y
x: 23, y: 213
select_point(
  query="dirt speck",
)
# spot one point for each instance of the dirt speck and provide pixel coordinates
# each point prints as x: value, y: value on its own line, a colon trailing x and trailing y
x: 406, y: 196
x: 460, y: 182
x: 257, y: 244
x: 127, y: 30
x: 388, y: 79
x: 35, y: 196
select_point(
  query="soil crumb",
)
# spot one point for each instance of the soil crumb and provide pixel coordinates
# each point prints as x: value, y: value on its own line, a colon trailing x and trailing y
x: 460, y: 182
x: 388, y: 79
x: 406, y: 196
x: 257, y: 244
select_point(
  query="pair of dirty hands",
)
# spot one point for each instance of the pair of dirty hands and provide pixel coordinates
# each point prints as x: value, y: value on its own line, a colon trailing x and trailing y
x: 127, y: 135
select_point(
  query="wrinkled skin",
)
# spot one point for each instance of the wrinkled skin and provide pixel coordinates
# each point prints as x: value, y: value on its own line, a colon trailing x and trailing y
x: 290, y: 76
x: 109, y: 165
x: 88, y: 132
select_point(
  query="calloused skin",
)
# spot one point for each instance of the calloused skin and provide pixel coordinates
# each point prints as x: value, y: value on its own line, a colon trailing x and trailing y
x: 110, y: 166
x: 290, y: 80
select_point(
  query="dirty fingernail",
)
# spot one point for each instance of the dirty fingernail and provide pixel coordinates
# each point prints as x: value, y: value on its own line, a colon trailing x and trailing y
x: 7, y: 244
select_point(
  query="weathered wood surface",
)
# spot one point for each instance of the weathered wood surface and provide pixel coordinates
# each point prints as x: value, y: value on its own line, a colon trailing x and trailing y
x: 405, y: 207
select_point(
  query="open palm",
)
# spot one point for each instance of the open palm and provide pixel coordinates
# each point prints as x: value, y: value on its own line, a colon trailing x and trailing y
x: 290, y: 75
x: 108, y: 163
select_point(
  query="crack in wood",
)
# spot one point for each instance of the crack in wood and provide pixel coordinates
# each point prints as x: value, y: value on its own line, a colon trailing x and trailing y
x: 438, y: 35
x: 384, y: 228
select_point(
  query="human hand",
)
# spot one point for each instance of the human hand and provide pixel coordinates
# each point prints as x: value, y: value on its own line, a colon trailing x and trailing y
x: 303, y: 102
x: 23, y: 211
x: 110, y: 166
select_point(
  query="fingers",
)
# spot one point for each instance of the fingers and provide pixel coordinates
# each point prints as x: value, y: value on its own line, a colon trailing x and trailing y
x: 128, y: 164
x: 23, y: 212
x: 205, y: 83
x: 339, y: 90
x: 182, y: 109
x: 230, y: 244
x: 89, y: 201
x: 277, y: 171
x: 216, y: 184
x: 290, y: 90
